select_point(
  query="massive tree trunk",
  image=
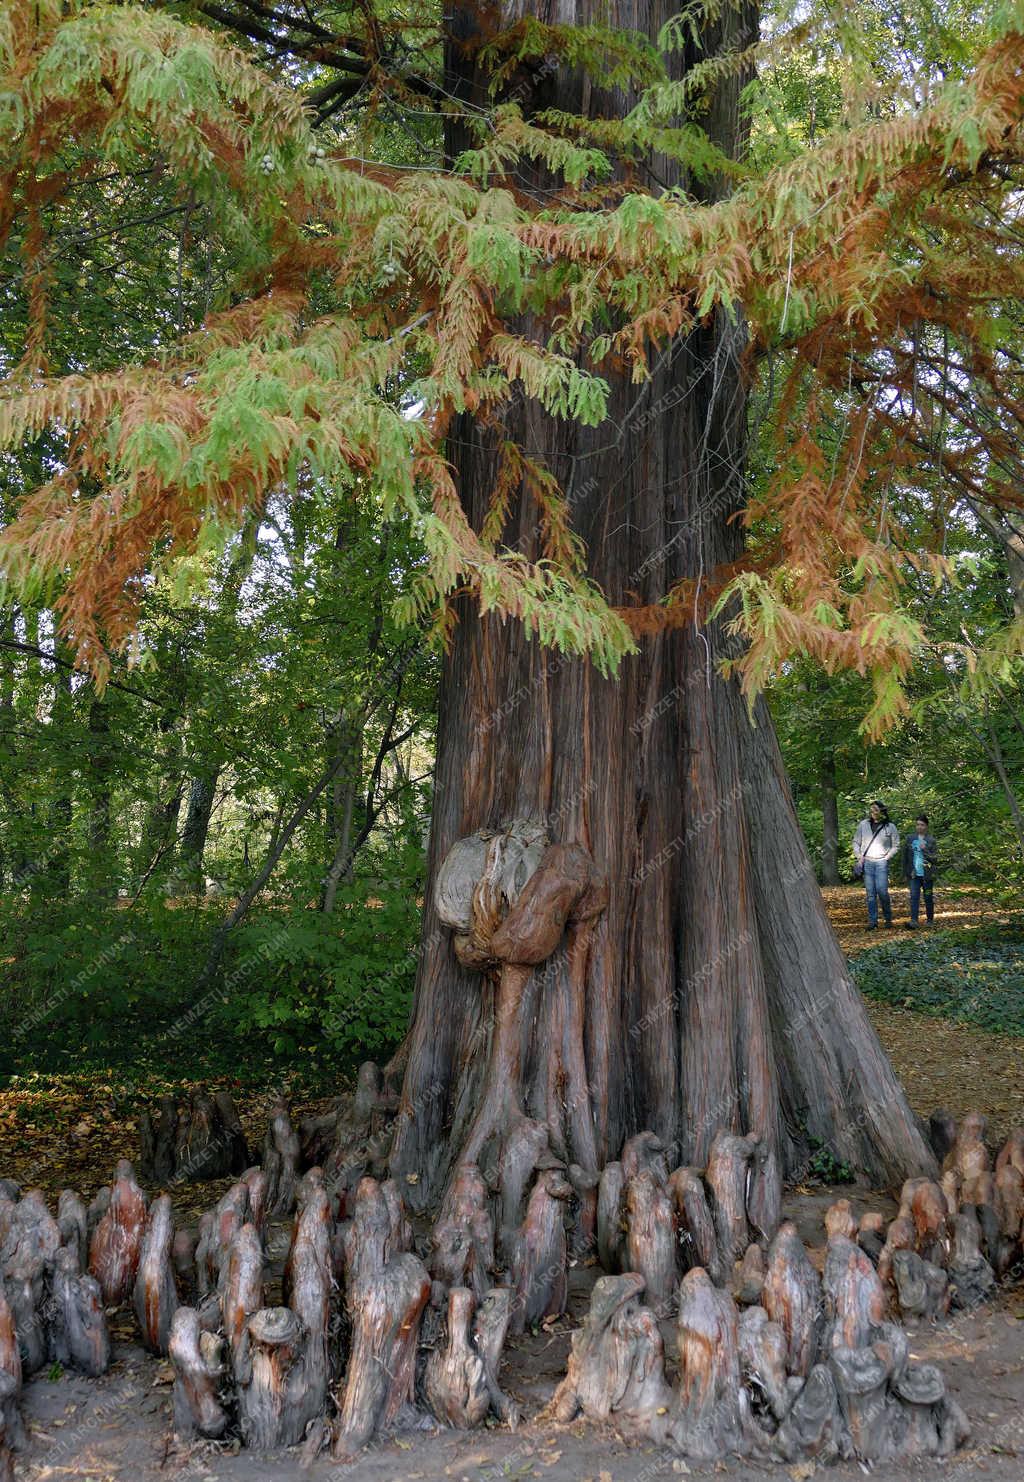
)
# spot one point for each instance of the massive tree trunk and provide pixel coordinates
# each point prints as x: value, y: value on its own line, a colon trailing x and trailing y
x: 710, y: 992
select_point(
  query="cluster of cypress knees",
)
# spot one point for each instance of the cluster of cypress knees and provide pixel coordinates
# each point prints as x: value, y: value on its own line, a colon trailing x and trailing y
x: 773, y: 1359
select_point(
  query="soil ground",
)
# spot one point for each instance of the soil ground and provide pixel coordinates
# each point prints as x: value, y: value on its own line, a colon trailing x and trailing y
x: 118, y: 1427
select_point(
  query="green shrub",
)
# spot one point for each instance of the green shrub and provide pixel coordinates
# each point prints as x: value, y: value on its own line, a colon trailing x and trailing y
x: 342, y: 981
x: 970, y: 977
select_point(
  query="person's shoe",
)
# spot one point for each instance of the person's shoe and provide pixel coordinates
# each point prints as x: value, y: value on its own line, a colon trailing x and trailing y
x: 911, y: 925
x: 888, y: 926
x: 872, y: 926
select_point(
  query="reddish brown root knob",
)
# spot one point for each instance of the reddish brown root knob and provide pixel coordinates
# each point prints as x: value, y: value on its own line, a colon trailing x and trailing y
x: 117, y: 1241
x: 73, y: 1225
x: 792, y: 1298
x: 968, y: 1157
x: 241, y: 1296
x: 871, y: 1234
x: 900, y: 1235
x: 258, y: 1185
x: 749, y: 1279
x: 611, y: 1232
x: 941, y: 1133
x: 490, y: 1326
x: 10, y: 1434
x: 726, y: 1178
x: 839, y: 1220
x: 1012, y: 1151
x: 524, y: 1144
x: 10, y: 1353
x: 156, y: 1295
x: 929, y: 1213
x: 308, y: 1292
x: 763, y: 1353
x: 695, y: 1227
x: 855, y: 1305
x: 646, y: 1153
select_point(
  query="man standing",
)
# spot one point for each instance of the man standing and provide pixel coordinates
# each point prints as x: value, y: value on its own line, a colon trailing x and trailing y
x: 874, y: 844
x: 920, y: 853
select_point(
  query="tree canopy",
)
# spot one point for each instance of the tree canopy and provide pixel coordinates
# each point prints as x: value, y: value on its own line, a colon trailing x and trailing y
x: 335, y: 293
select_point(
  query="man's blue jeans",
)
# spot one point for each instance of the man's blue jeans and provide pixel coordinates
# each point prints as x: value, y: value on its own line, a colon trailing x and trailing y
x: 917, y: 886
x: 876, y: 883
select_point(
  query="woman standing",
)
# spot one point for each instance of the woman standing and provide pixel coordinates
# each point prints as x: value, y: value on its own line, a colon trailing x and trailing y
x: 920, y: 854
x: 874, y: 844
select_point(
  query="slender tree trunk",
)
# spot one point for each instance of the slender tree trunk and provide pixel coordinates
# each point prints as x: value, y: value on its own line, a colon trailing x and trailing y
x: 99, y: 794
x: 710, y: 991
x: 995, y: 755
x: 62, y: 714
x: 345, y: 748
x: 8, y: 748
x: 201, y: 794
x: 829, y: 820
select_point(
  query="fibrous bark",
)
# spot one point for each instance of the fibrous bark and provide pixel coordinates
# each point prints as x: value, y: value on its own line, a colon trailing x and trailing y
x: 712, y: 948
